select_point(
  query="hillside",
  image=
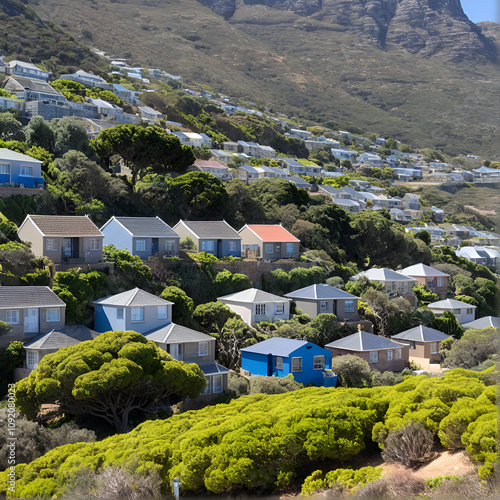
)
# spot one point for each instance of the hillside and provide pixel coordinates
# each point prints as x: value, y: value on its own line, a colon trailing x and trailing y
x: 308, y: 66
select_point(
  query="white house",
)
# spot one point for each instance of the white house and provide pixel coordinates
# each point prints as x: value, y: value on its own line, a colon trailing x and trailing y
x: 465, y: 313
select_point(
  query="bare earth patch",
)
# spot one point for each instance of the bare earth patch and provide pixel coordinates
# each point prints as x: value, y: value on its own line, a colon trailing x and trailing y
x: 482, y: 212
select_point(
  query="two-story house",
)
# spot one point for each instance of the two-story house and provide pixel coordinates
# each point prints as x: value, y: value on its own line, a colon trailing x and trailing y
x: 436, y: 281
x: 141, y: 236
x: 215, y: 237
x: 213, y: 167
x: 270, y: 241
x: 393, y: 281
x: 63, y: 238
x: 465, y: 313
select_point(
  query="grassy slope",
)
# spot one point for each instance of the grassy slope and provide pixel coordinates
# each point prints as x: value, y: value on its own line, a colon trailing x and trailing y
x: 300, y: 65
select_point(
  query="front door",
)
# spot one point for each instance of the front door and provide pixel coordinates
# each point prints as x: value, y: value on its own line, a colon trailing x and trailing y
x: 154, y: 246
x: 219, y: 249
x: 176, y: 351
x: 31, y: 320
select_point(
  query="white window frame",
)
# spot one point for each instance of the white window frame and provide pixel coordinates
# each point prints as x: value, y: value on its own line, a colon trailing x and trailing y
x: 162, y: 312
x: 323, y: 306
x: 120, y: 313
x: 296, y: 365
x: 12, y: 316
x: 349, y: 306
x: 232, y: 246
x: 290, y: 248
x: 24, y: 168
x: 434, y: 347
x: 319, y: 363
x: 280, y: 308
x: 389, y: 355
x: 137, y: 314
x: 268, y: 246
x: 140, y: 245
x: 469, y: 311
x: 52, y: 244
x: 279, y: 363
x: 397, y: 353
x: 260, y: 309
x: 53, y: 314
x: 169, y: 246
x: 202, y: 348
x: 430, y: 282
x: 439, y: 281
x: 32, y: 359
x: 94, y: 244
x: 208, y: 246
x: 6, y: 167
x: 373, y: 357
x: 217, y: 384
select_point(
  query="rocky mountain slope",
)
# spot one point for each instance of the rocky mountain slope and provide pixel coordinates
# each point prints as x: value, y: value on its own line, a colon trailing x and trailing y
x: 351, y: 68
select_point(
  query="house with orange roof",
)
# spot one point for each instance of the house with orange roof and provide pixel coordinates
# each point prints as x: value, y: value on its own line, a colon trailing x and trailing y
x: 271, y: 241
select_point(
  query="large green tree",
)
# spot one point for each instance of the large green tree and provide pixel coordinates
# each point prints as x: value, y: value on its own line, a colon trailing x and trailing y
x: 144, y: 149
x: 108, y: 377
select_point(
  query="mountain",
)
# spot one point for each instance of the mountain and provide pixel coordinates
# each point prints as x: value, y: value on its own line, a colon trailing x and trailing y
x: 417, y: 70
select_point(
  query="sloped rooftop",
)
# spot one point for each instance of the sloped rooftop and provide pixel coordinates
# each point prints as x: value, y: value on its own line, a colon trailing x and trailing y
x: 133, y: 298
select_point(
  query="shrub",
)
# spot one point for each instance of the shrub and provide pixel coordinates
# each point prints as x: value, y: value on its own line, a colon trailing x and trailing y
x: 273, y: 385
x: 399, y: 484
x: 409, y: 445
x: 459, y: 488
x: 352, y: 371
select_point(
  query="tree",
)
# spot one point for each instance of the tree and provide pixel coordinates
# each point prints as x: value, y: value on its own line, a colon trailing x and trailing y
x: 448, y: 324
x: 108, y: 377
x: 212, y: 316
x: 39, y: 133
x: 423, y: 235
x: 182, y: 310
x: 69, y: 133
x: 323, y: 329
x: 144, y: 149
x: 352, y: 371
x: 187, y: 244
x: 391, y: 143
x: 226, y: 283
x: 11, y: 129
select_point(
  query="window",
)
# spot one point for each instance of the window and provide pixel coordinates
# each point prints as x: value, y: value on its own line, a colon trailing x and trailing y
x: 280, y: 308
x: 323, y: 306
x: 430, y: 282
x: 4, y: 168
x: 94, y: 244
x: 296, y: 364
x: 169, y: 246
x: 434, y: 347
x: 260, y: 309
x: 202, y: 348
x: 162, y: 312
x: 137, y: 314
x: 319, y: 362
x: 13, y: 317
x: 440, y: 281
x: 217, y: 384
x: 269, y: 248
x: 389, y: 355
x: 232, y: 246
x: 397, y: 353
x: 28, y: 171
x: 51, y: 244
x: 140, y: 245
x: 119, y: 313
x: 279, y: 363
x: 349, y: 306
x: 290, y: 249
x: 207, y: 246
x: 374, y: 357
x: 469, y: 311
x: 32, y: 359
x: 206, y: 389
x: 53, y: 314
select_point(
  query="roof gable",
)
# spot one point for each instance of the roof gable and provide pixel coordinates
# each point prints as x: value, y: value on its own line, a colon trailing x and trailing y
x: 63, y: 225
x: 133, y: 298
x: 421, y: 270
x: 276, y: 346
x: 364, y: 341
x: 210, y: 229
x: 421, y: 334
x: 271, y: 233
x: 152, y: 227
x: 253, y: 296
x: 319, y: 292
x: 28, y: 296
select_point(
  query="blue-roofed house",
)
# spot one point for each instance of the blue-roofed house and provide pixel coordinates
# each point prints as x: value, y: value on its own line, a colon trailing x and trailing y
x: 279, y: 357
x: 326, y: 299
x: 19, y: 170
x: 248, y: 174
x: 424, y: 342
x: 381, y: 353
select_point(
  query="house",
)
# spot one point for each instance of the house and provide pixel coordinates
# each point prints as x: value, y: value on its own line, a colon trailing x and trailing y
x: 30, y: 310
x: 370, y: 159
x: 271, y: 241
x: 130, y: 96
x: 221, y: 156
x: 7, y: 104
x: 393, y: 281
x: 267, y: 152
x: 279, y: 357
x: 106, y: 108
x: 28, y: 70
x: 134, y: 309
x: 63, y: 238
x: 149, y: 114
x: 232, y: 147
x: 52, y: 341
x: 248, y: 174
x: 190, y: 346
x: 19, y: 170
x: 205, y: 140
x: 303, y: 135
x: 436, y: 281
x: 141, y: 236
x: 344, y: 154
x: 411, y: 201
x: 485, y: 175
x: 486, y: 322
x: 88, y: 79
x: 213, y: 167
x: 255, y: 305
x: 299, y: 182
x: 465, y: 313
x: 302, y: 167
x: 319, y: 299
x: 485, y: 256
x: 250, y: 148
x: 215, y: 237
x: 29, y: 89
x: 381, y: 353
x: 424, y: 342
x: 189, y: 139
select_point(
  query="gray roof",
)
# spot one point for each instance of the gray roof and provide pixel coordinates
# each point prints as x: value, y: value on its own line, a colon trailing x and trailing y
x: 62, y: 337
x: 219, y: 229
x: 421, y: 334
x: 176, y: 334
x: 8, y: 154
x: 133, y: 298
x: 213, y: 369
x: 64, y: 225
x: 152, y: 227
x: 450, y: 304
x: 320, y: 292
x: 486, y: 322
x: 277, y: 346
x: 364, y: 341
x: 28, y: 296
x: 421, y: 270
x: 253, y: 296
x: 298, y: 181
x: 383, y: 274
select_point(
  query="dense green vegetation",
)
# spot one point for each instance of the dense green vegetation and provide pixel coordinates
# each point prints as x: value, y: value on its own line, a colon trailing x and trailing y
x: 267, y: 442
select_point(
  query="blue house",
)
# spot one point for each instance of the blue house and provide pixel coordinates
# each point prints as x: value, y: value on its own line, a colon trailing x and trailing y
x: 215, y: 237
x: 141, y: 236
x: 18, y: 170
x: 278, y: 357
